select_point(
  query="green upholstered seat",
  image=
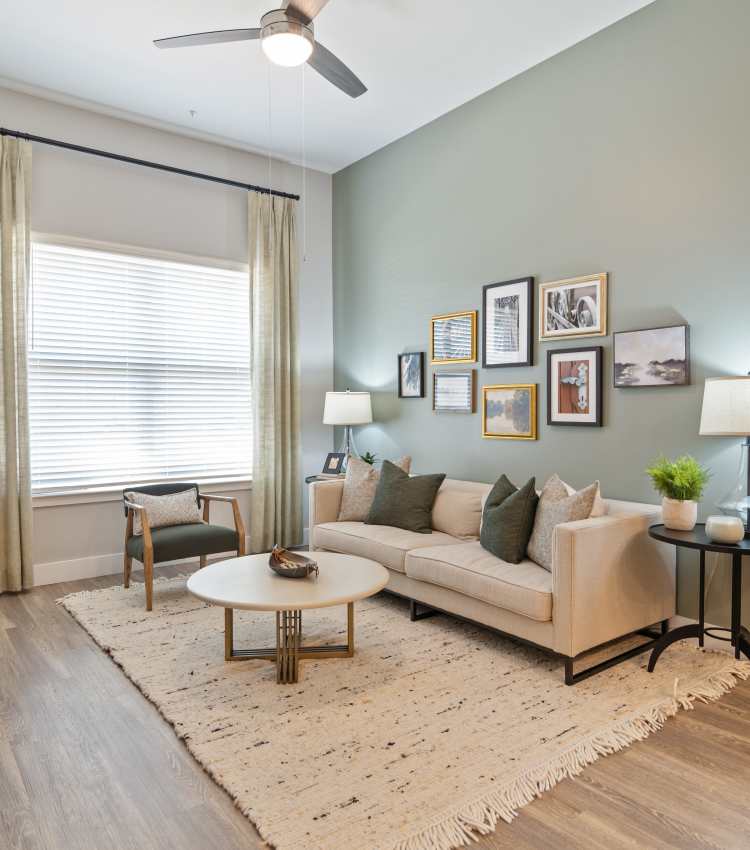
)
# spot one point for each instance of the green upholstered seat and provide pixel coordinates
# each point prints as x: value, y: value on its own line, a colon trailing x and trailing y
x: 185, y: 541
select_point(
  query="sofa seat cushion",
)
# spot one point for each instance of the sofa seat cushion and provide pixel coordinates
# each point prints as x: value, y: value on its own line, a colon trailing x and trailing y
x: 382, y: 543
x: 185, y: 541
x: 524, y: 588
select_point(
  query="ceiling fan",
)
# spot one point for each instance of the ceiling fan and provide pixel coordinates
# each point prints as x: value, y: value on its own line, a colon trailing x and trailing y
x: 286, y: 36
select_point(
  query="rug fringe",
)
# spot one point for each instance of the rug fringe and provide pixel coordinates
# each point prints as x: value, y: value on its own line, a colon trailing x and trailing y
x: 481, y: 816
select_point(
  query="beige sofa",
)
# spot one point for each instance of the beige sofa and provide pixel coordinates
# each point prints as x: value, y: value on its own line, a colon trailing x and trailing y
x: 608, y: 579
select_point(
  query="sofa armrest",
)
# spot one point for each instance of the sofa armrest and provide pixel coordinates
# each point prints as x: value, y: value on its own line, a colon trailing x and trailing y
x: 325, y: 502
x: 609, y: 578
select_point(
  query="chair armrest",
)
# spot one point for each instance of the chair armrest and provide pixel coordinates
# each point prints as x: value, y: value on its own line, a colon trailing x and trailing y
x: 132, y: 508
x: 609, y: 578
x: 239, y: 525
x: 324, y: 502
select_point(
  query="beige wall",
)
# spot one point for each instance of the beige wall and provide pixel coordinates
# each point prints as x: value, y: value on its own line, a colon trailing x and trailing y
x: 93, y: 198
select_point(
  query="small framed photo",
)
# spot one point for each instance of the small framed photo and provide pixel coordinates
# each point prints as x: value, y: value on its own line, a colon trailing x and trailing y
x: 411, y: 375
x: 508, y: 323
x: 453, y: 338
x: 454, y: 392
x: 334, y: 463
x: 655, y: 357
x: 509, y: 412
x: 574, y: 386
x: 573, y: 308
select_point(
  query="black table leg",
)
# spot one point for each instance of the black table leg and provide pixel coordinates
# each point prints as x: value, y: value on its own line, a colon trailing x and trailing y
x: 702, y: 599
x: 740, y: 635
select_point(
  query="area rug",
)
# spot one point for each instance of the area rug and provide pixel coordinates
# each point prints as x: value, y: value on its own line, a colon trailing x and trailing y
x: 433, y: 733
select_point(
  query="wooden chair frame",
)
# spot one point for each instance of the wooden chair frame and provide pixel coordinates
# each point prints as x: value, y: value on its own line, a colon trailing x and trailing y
x: 132, y: 508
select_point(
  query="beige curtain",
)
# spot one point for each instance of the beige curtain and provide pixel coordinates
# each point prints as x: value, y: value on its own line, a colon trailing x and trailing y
x: 15, y: 258
x: 276, y: 503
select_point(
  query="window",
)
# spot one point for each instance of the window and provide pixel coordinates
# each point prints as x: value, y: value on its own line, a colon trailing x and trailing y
x: 139, y: 370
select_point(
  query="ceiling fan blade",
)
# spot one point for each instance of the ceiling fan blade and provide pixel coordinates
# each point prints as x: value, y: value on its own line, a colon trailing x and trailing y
x: 216, y: 37
x: 303, y: 10
x: 334, y: 70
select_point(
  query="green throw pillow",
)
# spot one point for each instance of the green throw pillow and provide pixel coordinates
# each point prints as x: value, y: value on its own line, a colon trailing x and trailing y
x: 508, y: 519
x: 403, y: 501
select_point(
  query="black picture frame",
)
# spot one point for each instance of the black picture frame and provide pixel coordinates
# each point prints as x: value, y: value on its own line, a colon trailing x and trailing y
x: 420, y: 355
x: 529, y: 353
x: 334, y: 463
x: 598, y: 359
x: 622, y: 385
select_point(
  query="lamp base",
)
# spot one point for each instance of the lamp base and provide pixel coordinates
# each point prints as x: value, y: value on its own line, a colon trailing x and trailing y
x: 737, y: 501
x: 348, y: 446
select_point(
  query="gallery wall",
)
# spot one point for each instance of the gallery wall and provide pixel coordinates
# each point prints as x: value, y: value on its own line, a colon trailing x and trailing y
x: 625, y: 154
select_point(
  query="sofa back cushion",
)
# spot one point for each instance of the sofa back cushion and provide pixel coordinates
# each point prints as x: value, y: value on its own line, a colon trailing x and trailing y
x: 458, y: 508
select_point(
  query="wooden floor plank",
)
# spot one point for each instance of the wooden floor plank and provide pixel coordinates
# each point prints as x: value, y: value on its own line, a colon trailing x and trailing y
x: 87, y: 763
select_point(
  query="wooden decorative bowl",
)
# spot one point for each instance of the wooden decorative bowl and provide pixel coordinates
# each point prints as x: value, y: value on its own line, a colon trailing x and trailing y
x: 291, y: 564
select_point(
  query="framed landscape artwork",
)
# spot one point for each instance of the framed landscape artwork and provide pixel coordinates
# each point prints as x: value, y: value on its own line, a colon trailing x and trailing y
x: 453, y: 337
x: 454, y: 392
x: 574, y: 386
x: 411, y: 375
x: 509, y: 412
x: 573, y: 308
x: 507, y: 324
x: 655, y: 357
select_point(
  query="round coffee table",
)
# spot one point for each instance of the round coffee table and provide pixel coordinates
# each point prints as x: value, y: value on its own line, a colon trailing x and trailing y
x: 248, y: 583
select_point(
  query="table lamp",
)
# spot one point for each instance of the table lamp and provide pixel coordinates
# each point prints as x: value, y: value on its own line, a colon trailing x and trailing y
x: 347, y: 409
x: 726, y: 413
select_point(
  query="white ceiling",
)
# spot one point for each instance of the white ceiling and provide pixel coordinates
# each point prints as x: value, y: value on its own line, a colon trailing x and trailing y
x: 419, y: 59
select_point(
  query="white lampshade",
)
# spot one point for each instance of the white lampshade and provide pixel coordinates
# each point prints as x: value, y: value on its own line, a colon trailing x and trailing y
x: 347, y: 409
x: 726, y: 407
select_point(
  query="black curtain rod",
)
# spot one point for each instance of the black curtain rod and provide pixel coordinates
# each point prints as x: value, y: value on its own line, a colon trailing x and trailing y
x: 17, y: 134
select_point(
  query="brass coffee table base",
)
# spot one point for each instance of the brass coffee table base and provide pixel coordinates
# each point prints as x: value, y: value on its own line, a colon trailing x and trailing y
x: 289, y: 651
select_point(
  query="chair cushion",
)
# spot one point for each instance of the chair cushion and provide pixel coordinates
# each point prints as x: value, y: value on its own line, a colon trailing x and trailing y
x: 382, y: 543
x: 467, y: 568
x: 185, y: 541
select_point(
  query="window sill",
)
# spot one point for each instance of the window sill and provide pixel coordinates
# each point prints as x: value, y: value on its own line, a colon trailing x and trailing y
x: 114, y: 494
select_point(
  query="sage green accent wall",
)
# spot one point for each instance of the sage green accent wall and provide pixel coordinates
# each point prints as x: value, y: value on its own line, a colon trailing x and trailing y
x: 628, y: 153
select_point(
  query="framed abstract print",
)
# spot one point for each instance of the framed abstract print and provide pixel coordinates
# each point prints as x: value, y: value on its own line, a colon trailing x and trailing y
x: 507, y: 323
x: 509, y: 412
x: 411, y: 374
x: 655, y: 357
x: 574, y: 386
x: 454, y: 392
x: 453, y: 338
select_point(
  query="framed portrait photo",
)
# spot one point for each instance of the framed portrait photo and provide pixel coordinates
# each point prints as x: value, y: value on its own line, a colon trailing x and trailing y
x: 574, y: 386
x: 573, y: 308
x: 507, y: 323
x: 655, y: 357
x: 454, y: 392
x: 453, y: 338
x: 334, y: 463
x: 509, y: 412
x: 411, y: 374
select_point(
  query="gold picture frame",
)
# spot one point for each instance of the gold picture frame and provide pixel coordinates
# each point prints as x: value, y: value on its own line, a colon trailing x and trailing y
x: 506, y: 393
x: 580, y: 311
x: 437, y: 356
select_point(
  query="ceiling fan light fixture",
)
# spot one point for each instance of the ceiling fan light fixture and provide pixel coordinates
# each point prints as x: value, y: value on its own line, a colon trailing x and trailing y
x: 285, y: 42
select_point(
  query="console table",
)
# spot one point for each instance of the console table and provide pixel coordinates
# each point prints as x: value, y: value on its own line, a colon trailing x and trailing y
x: 739, y: 636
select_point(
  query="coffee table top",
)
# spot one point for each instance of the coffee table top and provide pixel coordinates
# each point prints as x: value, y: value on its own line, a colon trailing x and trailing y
x: 249, y: 583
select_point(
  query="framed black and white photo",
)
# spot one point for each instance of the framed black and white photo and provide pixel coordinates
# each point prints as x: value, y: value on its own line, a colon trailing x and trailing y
x: 411, y: 374
x: 654, y: 357
x: 334, y: 463
x: 574, y: 386
x: 454, y: 392
x: 507, y: 323
x: 573, y: 308
x: 453, y: 337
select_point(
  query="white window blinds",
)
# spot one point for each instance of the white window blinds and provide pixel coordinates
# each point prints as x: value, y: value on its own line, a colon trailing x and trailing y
x: 139, y: 370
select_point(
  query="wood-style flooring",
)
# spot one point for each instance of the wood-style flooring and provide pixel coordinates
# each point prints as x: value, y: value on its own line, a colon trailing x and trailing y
x: 86, y: 763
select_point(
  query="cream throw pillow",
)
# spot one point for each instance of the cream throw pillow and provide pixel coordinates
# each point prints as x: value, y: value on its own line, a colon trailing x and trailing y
x: 172, y: 509
x: 360, y: 485
x: 601, y: 508
x: 555, y: 507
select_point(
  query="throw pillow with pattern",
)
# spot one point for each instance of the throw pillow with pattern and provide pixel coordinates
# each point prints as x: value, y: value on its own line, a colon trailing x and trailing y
x: 173, y: 509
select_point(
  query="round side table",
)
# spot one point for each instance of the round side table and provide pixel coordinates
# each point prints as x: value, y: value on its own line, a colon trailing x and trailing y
x: 739, y: 636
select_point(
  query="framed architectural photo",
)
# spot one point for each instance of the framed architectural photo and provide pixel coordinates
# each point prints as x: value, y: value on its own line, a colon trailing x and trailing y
x: 655, y: 357
x: 573, y: 308
x: 334, y: 463
x: 507, y: 323
x: 454, y: 392
x: 509, y: 412
x: 574, y: 386
x: 411, y: 375
x: 453, y: 338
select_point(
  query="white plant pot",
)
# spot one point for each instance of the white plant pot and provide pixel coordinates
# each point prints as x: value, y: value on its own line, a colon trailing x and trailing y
x: 679, y: 515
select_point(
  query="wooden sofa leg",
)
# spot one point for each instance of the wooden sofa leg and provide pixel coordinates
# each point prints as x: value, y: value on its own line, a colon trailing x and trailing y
x: 126, y: 570
x: 148, y: 575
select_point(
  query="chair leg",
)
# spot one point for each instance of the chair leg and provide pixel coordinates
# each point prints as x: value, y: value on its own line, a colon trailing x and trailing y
x: 203, y: 560
x: 241, y: 545
x: 148, y: 574
x: 126, y: 570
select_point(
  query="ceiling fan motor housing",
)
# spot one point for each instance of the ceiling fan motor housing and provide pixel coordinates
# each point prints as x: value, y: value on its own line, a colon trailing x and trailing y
x: 279, y: 21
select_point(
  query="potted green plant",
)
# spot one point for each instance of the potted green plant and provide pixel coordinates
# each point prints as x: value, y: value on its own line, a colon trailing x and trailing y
x: 680, y: 483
